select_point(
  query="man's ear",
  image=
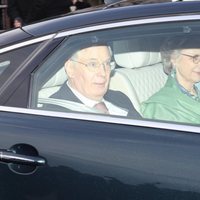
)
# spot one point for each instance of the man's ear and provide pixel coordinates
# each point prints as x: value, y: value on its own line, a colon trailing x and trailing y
x: 69, y: 68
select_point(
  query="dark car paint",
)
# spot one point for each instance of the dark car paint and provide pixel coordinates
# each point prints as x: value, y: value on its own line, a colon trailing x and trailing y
x: 13, y: 36
x: 111, y: 15
x: 109, y: 162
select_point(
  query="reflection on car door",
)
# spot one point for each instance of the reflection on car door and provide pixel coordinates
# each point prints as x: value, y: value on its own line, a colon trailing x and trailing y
x: 99, y: 160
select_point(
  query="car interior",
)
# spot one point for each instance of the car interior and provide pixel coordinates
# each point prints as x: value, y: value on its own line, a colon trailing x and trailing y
x: 139, y: 74
x: 139, y: 69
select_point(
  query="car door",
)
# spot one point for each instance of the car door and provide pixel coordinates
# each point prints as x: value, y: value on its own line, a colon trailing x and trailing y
x: 100, y: 158
x: 137, y: 159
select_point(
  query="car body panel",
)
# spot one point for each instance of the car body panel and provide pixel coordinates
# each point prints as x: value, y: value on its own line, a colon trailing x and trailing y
x: 125, y: 160
x: 13, y: 36
x: 103, y: 17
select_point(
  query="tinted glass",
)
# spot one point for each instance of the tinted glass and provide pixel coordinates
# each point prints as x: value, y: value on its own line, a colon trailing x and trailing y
x: 139, y: 73
x: 11, y: 60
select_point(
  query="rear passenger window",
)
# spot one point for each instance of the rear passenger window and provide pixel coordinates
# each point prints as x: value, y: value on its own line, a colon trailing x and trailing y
x: 117, y: 72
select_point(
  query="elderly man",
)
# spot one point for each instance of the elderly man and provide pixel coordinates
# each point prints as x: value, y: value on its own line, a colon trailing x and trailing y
x: 88, y: 72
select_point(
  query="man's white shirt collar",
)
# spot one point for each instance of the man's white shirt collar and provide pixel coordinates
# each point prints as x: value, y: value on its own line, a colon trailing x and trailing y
x: 113, y: 110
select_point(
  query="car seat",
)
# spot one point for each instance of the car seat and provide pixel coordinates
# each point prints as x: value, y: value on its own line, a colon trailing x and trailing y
x: 141, y: 69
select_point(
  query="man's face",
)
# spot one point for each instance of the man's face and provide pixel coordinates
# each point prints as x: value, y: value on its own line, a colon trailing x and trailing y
x: 92, y: 82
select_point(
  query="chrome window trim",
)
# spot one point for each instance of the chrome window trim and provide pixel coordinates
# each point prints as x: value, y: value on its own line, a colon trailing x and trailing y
x: 107, y: 119
x: 26, y: 43
x: 129, y: 23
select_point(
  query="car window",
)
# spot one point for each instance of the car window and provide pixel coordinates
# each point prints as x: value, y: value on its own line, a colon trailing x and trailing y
x: 12, y: 59
x: 138, y: 72
x: 4, y: 65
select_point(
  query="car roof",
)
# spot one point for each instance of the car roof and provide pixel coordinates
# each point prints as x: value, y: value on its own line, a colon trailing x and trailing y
x: 100, y: 15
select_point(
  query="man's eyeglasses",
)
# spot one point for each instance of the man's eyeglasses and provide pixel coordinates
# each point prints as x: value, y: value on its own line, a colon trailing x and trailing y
x: 93, y: 66
x: 195, y: 58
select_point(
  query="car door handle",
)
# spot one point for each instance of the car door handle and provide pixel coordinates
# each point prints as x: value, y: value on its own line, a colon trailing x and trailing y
x: 23, y: 159
x: 11, y: 157
x: 22, y: 154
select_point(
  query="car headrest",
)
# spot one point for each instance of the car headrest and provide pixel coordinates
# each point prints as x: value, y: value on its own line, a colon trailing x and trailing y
x: 58, y: 79
x: 134, y: 54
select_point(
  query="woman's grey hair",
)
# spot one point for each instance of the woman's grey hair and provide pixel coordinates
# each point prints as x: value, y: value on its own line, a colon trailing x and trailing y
x: 172, y: 47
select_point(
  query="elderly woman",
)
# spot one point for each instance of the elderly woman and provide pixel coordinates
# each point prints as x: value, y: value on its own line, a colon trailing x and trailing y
x: 179, y: 99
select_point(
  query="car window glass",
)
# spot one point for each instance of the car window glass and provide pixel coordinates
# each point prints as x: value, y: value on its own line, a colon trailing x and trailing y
x: 137, y: 76
x: 4, y: 65
x: 11, y: 60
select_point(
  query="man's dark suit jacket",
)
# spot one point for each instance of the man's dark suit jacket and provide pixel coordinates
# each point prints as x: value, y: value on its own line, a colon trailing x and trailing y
x: 115, y: 97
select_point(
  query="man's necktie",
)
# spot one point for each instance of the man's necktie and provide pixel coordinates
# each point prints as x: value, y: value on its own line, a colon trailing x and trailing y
x: 101, y: 107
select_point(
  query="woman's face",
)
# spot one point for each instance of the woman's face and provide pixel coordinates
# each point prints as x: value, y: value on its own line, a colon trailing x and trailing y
x: 187, y: 66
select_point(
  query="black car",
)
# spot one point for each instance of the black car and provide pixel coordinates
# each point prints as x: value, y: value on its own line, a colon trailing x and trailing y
x: 53, y: 154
